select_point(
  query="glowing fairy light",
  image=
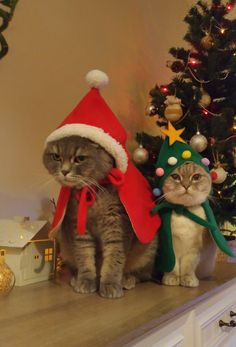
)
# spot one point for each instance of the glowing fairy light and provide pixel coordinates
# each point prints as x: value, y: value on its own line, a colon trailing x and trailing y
x: 164, y: 89
x: 229, y: 7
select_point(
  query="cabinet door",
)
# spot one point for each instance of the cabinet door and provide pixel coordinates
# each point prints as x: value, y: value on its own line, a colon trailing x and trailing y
x: 209, y: 313
x: 230, y: 341
x: 176, y: 333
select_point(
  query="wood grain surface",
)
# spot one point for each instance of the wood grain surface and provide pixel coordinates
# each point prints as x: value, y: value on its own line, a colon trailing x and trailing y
x: 51, y: 314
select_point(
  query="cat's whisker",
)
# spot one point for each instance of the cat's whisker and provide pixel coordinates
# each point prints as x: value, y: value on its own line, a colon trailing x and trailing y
x: 93, y: 182
x: 163, y: 196
x: 83, y: 181
x: 160, y: 199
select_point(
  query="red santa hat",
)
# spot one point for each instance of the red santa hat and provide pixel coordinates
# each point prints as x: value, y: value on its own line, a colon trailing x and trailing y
x: 93, y: 119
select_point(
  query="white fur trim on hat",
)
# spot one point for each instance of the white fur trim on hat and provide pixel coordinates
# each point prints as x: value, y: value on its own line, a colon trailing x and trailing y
x: 97, y: 79
x: 96, y: 135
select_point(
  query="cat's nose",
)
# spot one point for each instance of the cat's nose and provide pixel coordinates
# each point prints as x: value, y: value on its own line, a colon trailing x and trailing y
x: 65, y: 172
x: 186, y: 185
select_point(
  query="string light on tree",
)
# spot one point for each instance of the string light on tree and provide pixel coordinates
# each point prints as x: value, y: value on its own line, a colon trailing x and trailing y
x: 205, y: 113
x: 229, y: 7
x: 193, y: 63
x: 234, y: 124
x: 164, y: 89
x: 222, y: 30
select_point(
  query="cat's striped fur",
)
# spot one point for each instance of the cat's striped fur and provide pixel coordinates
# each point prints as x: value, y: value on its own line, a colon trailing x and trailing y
x: 108, y: 257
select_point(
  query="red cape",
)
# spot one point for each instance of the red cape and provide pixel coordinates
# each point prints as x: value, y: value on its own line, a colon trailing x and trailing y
x: 136, y: 197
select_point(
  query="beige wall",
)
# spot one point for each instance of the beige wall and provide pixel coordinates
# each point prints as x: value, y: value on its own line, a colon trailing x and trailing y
x: 53, y: 43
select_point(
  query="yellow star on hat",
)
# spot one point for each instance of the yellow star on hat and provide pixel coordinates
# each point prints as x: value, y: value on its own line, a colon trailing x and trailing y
x: 173, y: 134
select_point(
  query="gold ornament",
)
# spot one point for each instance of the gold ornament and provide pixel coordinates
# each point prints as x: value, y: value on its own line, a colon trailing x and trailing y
x: 198, y: 142
x: 207, y: 42
x: 7, y: 277
x: 173, y: 110
x: 205, y: 99
x: 140, y: 155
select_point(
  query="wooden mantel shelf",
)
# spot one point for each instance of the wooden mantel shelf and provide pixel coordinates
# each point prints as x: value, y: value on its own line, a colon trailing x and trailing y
x: 51, y: 314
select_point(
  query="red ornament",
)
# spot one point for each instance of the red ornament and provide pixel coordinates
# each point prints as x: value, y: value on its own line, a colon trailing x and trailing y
x: 212, y: 141
x: 214, y: 175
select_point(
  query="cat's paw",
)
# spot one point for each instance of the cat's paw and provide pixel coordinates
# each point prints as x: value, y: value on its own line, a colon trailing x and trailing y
x: 111, y: 290
x: 83, y: 286
x: 170, y: 280
x: 128, y: 282
x: 189, y: 281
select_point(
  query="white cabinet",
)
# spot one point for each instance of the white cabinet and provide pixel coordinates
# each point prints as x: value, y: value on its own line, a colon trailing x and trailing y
x: 198, y: 326
x: 208, y: 315
x: 178, y: 333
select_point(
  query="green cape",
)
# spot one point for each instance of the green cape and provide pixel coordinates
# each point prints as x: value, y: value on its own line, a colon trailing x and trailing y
x: 165, y: 260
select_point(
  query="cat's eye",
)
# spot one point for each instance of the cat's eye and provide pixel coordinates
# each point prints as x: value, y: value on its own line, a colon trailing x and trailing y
x: 196, y: 177
x: 176, y: 177
x: 80, y: 158
x: 56, y: 156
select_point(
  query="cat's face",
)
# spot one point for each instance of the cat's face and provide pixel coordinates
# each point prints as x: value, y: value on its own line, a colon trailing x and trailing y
x: 188, y: 185
x: 75, y: 161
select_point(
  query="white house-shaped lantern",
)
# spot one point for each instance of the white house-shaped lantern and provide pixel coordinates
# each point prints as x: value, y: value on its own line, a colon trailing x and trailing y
x: 29, y: 252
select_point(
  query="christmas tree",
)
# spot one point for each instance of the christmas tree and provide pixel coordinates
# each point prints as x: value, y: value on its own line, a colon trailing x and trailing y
x: 7, y: 8
x: 201, y: 98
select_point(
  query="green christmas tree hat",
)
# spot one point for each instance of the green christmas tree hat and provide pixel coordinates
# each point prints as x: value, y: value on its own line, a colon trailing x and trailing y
x: 174, y: 153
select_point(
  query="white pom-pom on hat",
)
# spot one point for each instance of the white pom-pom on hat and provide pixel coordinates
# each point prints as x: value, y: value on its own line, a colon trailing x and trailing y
x: 97, y: 79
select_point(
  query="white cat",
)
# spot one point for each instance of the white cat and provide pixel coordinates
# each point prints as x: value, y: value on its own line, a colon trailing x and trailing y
x: 195, y: 250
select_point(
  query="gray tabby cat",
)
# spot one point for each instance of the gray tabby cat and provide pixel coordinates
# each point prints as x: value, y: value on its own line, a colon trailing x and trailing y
x: 108, y: 257
x: 194, y: 248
